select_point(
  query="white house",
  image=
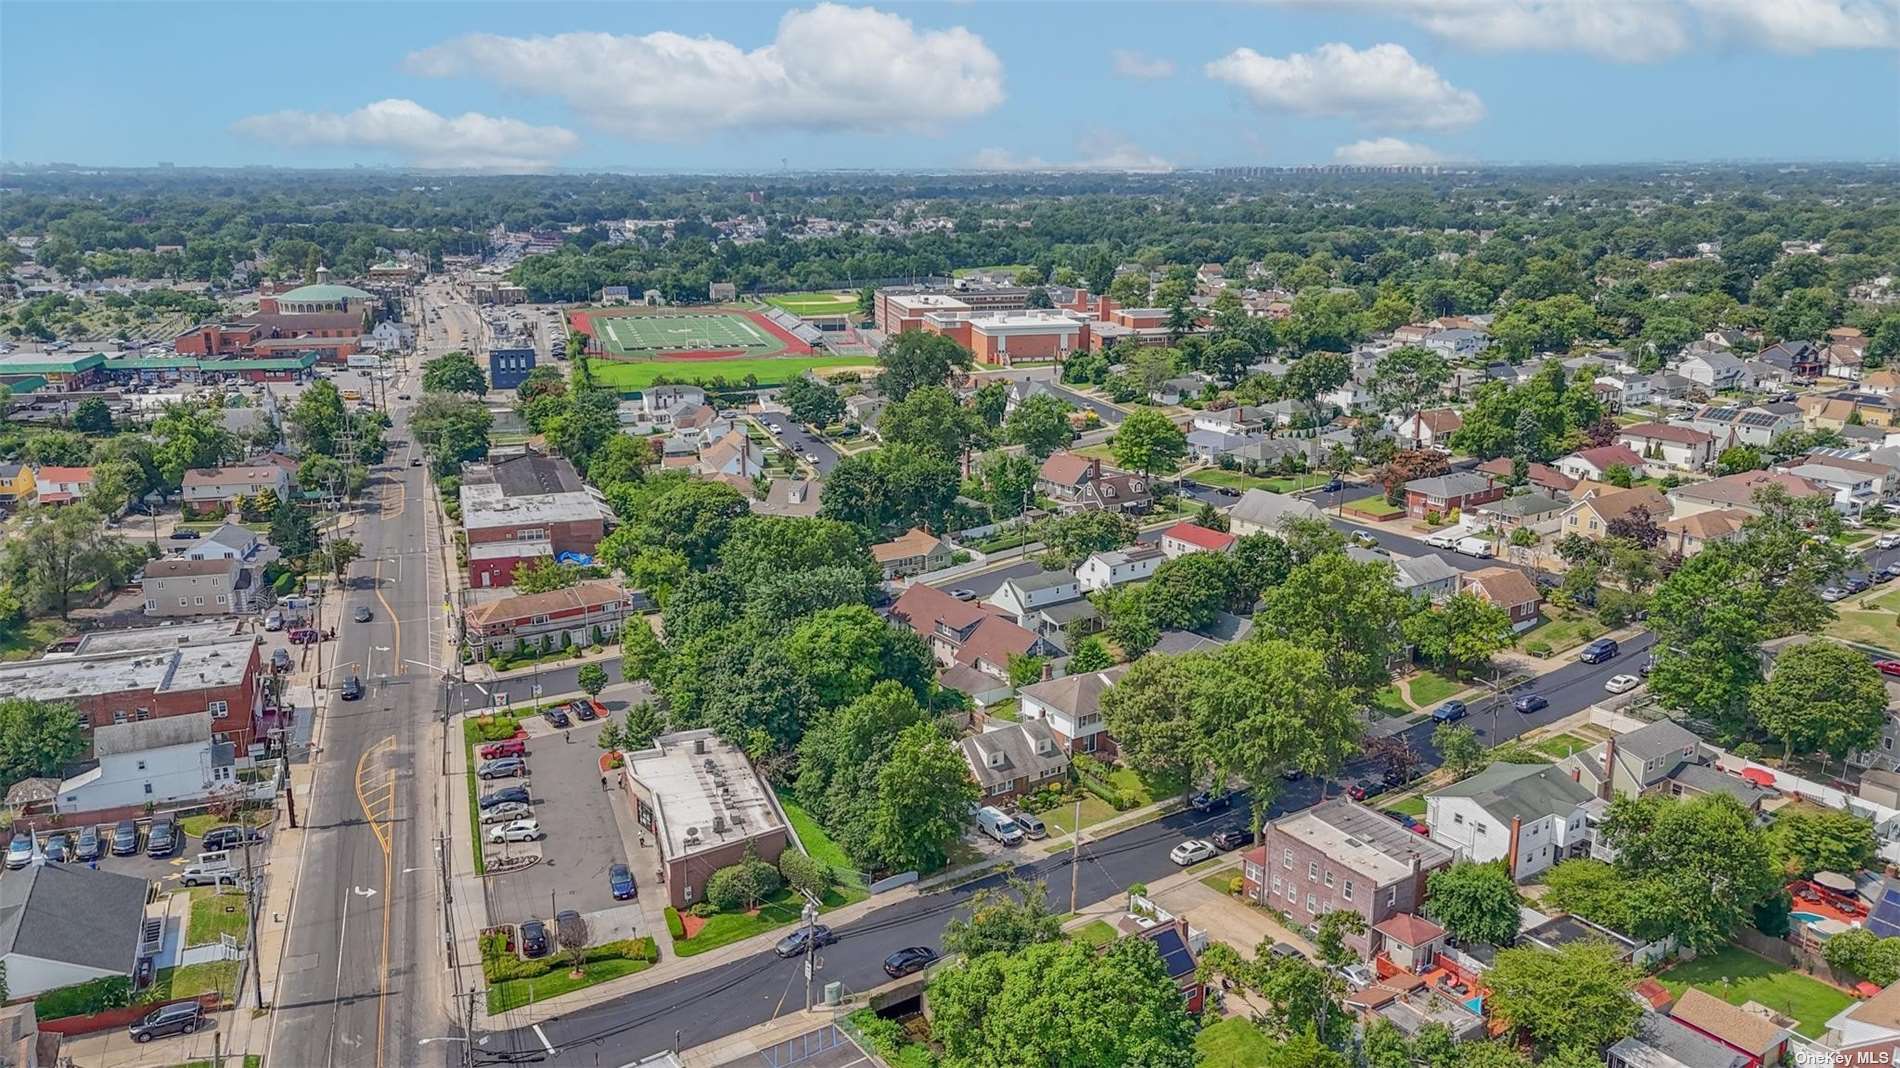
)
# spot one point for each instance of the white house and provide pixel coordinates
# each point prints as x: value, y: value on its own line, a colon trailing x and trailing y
x: 65, y: 924
x: 1529, y: 815
x: 1755, y: 425
x: 229, y: 542
x: 391, y: 336
x: 1663, y: 445
x: 655, y: 405
x: 1715, y: 370
x: 1429, y: 428
x: 1072, y: 707
x: 1855, y: 484
x: 1184, y: 538
x: 1594, y: 463
x: 1631, y: 390
x: 1239, y: 420
x: 152, y: 761
x: 1118, y: 567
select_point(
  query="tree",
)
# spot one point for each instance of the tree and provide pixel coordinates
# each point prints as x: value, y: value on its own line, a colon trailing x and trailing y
x: 1009, y: 483
x: 1702, y: 865
x: 455, y: 372
x: 55, y: 448
x: 1040, y: 424
x: 1861, y: 952
x: 690, y: 518
x: 38, y: 738
x: 1461, y: 633
x: 914, y: 359
x: 1709, y: 619
x: 60, y: 550
x: 592, y: 678
x: 570, y: 931
x: 1806, y: 840
x: 931, y: 418
x: 811, y: 402
x: 1406, y: 379
x: 1821, y: 698
x: 924, y: 793
x: 1072, y: 538
x: 623, y: 458
x: 1475, y: 902
x: 1318, y: 373
x: 291, y: 531
x: 896, y: 486
x: 1062, y: 1005
x: 1190, y: 591
x: 1003, y: 919
x: 805, y: 875
x: 1577, y: 996
x: 1349, y: 611
x: 544, y: 575
x: 1330, y: 940
x: 92, y: 416
x: 845, y: 651
x: 1089, y: 654
x: 1149, y: 442
x: 990, y: 402
x: 1739, y: 458
x: 587, y: 424
x: 742, y: 886
x: 1262, y: 562
x: 1459, y: 750
x: 1394, y: 756
x: 318, y: 419
x: 643, y: 723
x: 338, y: 554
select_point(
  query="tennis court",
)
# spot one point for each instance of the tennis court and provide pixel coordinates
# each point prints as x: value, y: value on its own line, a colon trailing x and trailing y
x: 657, y: 336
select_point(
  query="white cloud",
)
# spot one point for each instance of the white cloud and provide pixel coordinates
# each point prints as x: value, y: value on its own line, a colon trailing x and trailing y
x: 420, y: 136
x: 1381, y: 85
x: 1386, y: 152
x: 828, y: 68
x: 1639, y: 31
x: 1098, y: 150
x: 1128, y: 64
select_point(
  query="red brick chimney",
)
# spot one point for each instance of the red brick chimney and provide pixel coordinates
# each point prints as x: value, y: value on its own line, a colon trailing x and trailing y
x: 1607, y: 789
x: 1510, y: 863
x: 1095, y: 469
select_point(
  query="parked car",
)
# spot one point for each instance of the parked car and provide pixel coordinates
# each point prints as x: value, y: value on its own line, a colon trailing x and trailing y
x: 620, y: 882
x: 1364, y: 539
x: 1856, y: 584
x: 304, y: 636
x: 1832, y: 594
x: 87, y: 846
x: 1888, y: 573
x: 534, y: 939
x: 362, y: 614
x: 19, y: 851
x: 507, y: 812
x: 57, y: 849
x: 210, y: 875
x: 1230, y: 838
x: 184, y: 535
x: 1285, y: 949
x: 558, y: 717
x: 280, y: 660
x: 1622, y: 683
x: 125, y: 838
x: 1334, y: 485
x: 229, y: 837
x: 1887, y: 667
x: 1192, y: 851
x: 583, y: 710
x: 909, y: 961
x: 1598, y: 651
x: 1209, y: 801
x: 507, y: 747
x: 1449, y: 712
x: 1888, y: 541
x: 1365, y: 788
x: 352, y: 688
x: 178, y: 1018
x: 1356, y: 975
x: 515, y: 831
x: 162, y: 839
x: 273, y: 620
x: 962, y: 594
x: 799, y: 941
x: 1031, y: 824
x: 516, y: 794
x: 502, y: 768
x: 1530, y: 702
x: 998, y: 826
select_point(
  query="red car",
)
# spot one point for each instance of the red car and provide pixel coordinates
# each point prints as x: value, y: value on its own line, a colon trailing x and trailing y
x: 513, y: 747
x: 1887, y: 667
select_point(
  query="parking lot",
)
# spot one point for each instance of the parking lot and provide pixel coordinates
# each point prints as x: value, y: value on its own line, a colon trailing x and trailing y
x: 583, y: 837
x: 163, y: 870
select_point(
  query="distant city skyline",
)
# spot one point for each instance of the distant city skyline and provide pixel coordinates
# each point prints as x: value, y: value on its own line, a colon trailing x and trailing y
x: 765, y: 88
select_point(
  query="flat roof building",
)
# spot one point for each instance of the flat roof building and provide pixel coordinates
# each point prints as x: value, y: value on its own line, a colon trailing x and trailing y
x: 705, y: 805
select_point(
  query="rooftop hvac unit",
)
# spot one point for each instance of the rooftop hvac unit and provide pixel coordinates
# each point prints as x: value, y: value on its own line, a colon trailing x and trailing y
x: 692, y: 836
x: 719, y: 824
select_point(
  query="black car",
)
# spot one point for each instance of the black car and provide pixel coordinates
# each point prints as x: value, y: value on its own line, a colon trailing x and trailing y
x: 1228, y: 838
x: 804, y: 938
x: 125, y: 838
x: 1293, y: 774
x: 558, y: 716
x: 583, y: 710
x: 352, y: 688
x: 162, y: 839
x: 229, y: 837
x: 909, y: 960
x: 178, y: 1018
x: 361, y: 615
x: 534, y: 939
x: 518, y: 794
x: 1335, y: 485
x: 1598, y: 651
x: 184, y: 535
x: 1530, y: 702
x: 1209, y: 801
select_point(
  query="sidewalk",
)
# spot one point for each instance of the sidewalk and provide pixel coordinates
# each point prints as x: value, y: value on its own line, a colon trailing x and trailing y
x: 480, y: 671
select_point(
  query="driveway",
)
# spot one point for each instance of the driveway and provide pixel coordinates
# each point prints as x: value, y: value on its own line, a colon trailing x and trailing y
x: 799, y: 440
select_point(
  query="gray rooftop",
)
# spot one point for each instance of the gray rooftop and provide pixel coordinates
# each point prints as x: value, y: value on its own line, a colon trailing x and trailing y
x: 1266, y: 509
x: 1528, y: 791
x: 1364, y: 840
x: 73, y: 914
x: 1523, y: 504
x: 1043, y: 580
x: 155, y: 638
x: 1455, y: 484
x: 1660, y: 1042
x: 1017, y: 750
x: 172, y: 670
x: 158, y: 733
x: 1656, y: 740
x: 1078, y: 695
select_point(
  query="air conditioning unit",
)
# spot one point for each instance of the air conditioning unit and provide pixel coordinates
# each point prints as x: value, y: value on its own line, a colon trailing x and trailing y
x: 692, y: 836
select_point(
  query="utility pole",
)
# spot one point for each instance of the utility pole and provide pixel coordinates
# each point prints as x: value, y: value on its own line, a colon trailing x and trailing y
x: 809, y: 915
x: 250, y: 904
x: 1075, y: 854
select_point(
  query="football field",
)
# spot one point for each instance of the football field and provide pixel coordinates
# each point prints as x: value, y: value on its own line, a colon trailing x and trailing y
x: 654, y: 336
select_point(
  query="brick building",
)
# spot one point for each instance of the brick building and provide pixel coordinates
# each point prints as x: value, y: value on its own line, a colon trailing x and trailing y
x: 152, y: 674
x: 527, y: 507
x: 705, y: 806
x: 578, y: 611
x: 334, y: 336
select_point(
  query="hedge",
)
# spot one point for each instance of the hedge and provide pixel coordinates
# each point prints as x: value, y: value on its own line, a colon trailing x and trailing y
x: 1086, y: 774
x: 674, y: 926
x: 496, y: 728
x: 82, y: 999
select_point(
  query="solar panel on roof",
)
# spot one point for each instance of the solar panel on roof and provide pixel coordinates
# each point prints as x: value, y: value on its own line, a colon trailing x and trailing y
x: 1885, y: 919
x: 1174, y: 952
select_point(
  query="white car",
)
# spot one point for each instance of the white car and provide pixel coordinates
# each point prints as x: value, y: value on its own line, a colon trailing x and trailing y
x: 518, y: 831
x: 1192, y: 851
x: 1622, y: 683
x: 506, y: 812
x: 811, y: 457
x: 1888, y: 541
x: 1832, y: 594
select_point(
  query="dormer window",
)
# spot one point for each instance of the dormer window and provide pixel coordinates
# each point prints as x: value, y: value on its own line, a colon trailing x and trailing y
x: 996, y: 760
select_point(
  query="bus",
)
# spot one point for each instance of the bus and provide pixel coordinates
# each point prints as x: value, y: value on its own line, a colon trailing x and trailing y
x: 364, y: 360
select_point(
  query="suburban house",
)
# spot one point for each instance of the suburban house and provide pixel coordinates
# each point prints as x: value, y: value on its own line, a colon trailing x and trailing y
x: 587, y: 613
x: 1836, y: 411
x: 798, y: 498
x: 1623, y: 390
x: 1175, y: 942
x: 1715, y: 371
x: 1509, y: 589
x: 1594, y: 464
x: 1660, y: 757
x: 1738, y: 491
x: 1463, y: 490
x: 1425, y: 575
x: 731, y: 454
x: 1183, y: 538
x: 1340, y: 854
x: 967, y: 634
x: 61, y: 485
x: 1754, y: 1031
x: 1529, y: 816
x: 220, y: 586
x: 152, y: 762
x: 1240, y: 421
x: 1048, y: 604
x: 211, y: 489
x: 1542, y: 477
x: 1261, y: 512
x: 1011, y: 760
x: 1533, y: 511
x: 230, y: 541
x: 1117, y: 567
x: 1081, y: 484
x: 915, y: 552
x: 1756, y: 425
x: 16, y: 485
x: 1865, y: 1033
x: 1679, y: 447
x: 1857, y: 484
x: 65, y: 924
x: 1801, y: 359
x: 1430, y: 429
x: 1592, y: 516
x: 1661, y: 1042
x: 655, y: 407
x: 1072, y: 707
x: 1697, y: 531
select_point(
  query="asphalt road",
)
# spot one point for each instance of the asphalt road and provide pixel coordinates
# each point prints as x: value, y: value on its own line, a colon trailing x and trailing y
x: 762, y: 987
x: 520, y: 690
x: 801, y: 441
x: 1110, y: 414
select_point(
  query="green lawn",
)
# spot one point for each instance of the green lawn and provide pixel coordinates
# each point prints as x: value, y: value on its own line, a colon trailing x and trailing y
x: 1413, y: 806
x: 1094, y: 933
x: 1868, y: 628
x: 214, y: 914
x: 1061, y: 819
x: 514, y: 993
x: 190, y: 980
x: 1232, y: 1043
x: 1240, y: 480
x: 1429, y: 688
x: 26, y: 642
x: 251, y: 1060
x: 1218, y: 881
x: 1376, y: 507
x: 818, y: 845
x: 1562, y: 630
x: 782, y: 910
x: 815, y: 303
x: 771, y: 370
x: 1736, y: 975
x: 1012, y: 268
x: 196, y: 826
x: 1103, y: 452
x: 1007, y: 711
x: 1560, y: 746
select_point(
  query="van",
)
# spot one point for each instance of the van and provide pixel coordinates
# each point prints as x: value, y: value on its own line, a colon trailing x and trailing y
x: 1441, y: 540
x: 178, y: 1018
x: 999, y: 826
x: 210, y: 875
x: 1478, y: 547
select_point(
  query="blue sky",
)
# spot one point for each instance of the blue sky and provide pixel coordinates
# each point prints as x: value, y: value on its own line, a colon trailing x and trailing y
x: 1149, y: 85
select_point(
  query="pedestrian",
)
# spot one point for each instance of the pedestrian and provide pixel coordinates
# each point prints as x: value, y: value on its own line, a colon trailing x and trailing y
x: 568, y: 737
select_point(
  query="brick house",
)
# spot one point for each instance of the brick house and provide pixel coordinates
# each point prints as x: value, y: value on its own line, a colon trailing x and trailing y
x: 566, y: 522
x: 1509, y: 589
x: 578, y: 612
x: 1340, y: 854
x: 149, y: 674
x: 705, y: 806
x: 1463, y: 490
x: 1014, y: 759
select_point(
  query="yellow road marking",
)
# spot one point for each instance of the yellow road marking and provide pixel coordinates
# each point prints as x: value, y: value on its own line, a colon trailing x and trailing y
x: 379, y: 826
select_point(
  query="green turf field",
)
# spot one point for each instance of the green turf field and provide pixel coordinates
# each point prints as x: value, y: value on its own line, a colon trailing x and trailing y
x: 653, y: 336
x: 770, y: 370
x: 815, y: 303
